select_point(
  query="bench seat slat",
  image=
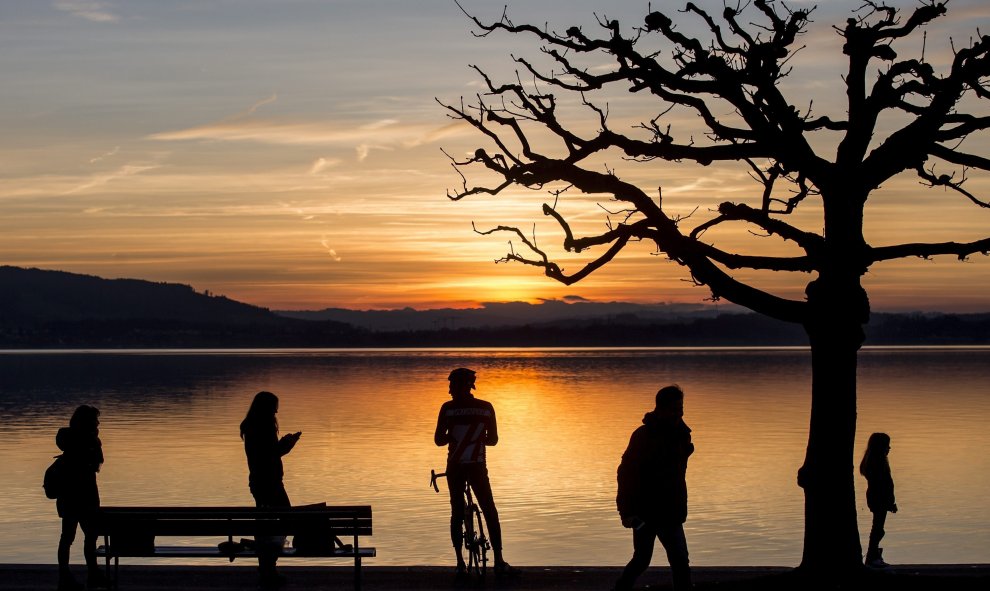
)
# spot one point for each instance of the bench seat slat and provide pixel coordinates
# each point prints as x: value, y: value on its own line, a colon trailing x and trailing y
x: 214, y: 552
x: 359, y: 511
x: 247, y: 528
x: 234, y: 521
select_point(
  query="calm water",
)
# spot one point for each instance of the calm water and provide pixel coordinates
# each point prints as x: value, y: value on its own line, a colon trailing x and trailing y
x: 170, y: 437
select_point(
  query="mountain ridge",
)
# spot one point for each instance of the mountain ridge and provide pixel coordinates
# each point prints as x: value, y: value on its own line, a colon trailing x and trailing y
x: 502, y: 314
x: 57, y: 309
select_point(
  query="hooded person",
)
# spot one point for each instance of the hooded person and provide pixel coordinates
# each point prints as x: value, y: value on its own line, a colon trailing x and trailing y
x: 78, y: 502
x: 652, y: 489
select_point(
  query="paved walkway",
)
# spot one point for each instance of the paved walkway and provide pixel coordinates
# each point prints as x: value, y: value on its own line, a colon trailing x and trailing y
x: 244, y: 577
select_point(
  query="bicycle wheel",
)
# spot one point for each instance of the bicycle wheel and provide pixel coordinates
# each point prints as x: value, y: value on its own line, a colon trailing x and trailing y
x: 482, y: 544
x: 471, y: 540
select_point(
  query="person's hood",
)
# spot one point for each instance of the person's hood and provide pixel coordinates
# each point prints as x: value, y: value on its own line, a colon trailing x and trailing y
x: 653, y: 420
x: 63, y: 439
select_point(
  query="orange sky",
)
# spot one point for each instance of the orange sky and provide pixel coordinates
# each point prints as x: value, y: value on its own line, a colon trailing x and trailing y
x: 290, y: 157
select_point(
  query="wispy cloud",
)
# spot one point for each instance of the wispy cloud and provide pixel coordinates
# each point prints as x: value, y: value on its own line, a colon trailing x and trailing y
x: 364, y: 149
x: 333, y: 253
x: 97, y: 12
x: 381, y: 134
x: 307, y: 132
x: 102, y: 179
x: 450, y: 130
x: 382, y: 124
x: 106, y: 155
x: 251, y: 110
x: 322, y: 164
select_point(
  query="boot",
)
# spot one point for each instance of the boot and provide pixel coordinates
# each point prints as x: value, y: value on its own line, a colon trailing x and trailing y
x: 874, y: 559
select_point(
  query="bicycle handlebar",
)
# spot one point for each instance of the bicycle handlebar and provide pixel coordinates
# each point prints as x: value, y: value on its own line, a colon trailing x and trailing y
x: 433, y: 479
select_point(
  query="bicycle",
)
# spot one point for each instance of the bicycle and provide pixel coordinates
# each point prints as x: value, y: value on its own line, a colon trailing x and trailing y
x: 475, y: 541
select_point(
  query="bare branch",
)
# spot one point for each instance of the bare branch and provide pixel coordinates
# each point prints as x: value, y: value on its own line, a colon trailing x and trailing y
x: 962, y: 250
x: 960, y: 158
x: 948, y: 180
x: 809, y: 242
x: 738, y: 261
x: 552, y: 270
x: 705, y: 272
x: 929, y: 11
x: 910, y: 146
x: 967, y: 124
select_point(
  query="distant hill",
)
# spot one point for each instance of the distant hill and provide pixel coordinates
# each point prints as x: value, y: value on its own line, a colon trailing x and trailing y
x: 40, y: 308
x: 507, y: 314
x: 727, y: 330
x: 55, y: 309
x: 33, y: 295
x: 557, y: 323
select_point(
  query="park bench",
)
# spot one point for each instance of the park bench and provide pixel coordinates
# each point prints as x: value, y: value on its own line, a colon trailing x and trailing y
x: 317, y: 531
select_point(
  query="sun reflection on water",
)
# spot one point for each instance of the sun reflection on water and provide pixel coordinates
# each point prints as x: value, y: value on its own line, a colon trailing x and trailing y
x: 170, y: 436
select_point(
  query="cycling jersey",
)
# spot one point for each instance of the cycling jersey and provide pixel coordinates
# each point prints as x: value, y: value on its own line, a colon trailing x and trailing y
x: 466, y: 424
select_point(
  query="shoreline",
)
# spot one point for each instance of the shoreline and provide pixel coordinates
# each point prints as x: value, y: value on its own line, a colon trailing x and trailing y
x: 223, y: 577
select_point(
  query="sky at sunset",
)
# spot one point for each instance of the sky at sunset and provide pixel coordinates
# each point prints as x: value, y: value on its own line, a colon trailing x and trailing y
x: 288, y: 154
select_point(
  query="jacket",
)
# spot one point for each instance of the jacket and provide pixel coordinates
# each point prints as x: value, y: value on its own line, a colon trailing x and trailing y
x: 466, y: 425
x: 264, y: 451
x: 83, y: 456
x: 879, y: 489
x: 651, y: 476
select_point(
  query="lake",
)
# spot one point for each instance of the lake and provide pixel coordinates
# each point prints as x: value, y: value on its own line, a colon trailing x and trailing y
x: 170, y: 435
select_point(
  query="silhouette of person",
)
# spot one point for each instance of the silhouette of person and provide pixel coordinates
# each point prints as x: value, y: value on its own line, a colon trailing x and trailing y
x: 879, y: 493
x: 264, y: 450
x: 78, y: 503
x: 466, y: 425
x: 652, y: 495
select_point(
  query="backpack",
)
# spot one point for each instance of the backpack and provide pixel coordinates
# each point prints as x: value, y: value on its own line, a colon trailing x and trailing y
x: 55, y: 478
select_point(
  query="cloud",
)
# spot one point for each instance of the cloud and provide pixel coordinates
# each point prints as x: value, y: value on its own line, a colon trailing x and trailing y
x: 250, y: 110
x: 450, y: 130
x: 97, y: 12
x: 322, y: 164
x: 383, y: 134
x: 333, y: 253
x: 379, y: 124
x: 122, y: 172
x: 259, y: 104
x: 285, y: 133
x: 112, y: 152
x: 697, y: 184
x: 364, y: 149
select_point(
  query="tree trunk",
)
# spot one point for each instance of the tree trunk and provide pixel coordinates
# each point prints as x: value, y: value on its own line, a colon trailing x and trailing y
x: 831, y: 540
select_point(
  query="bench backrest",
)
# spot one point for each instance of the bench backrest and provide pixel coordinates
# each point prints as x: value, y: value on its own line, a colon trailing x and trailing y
x: 234, y: 521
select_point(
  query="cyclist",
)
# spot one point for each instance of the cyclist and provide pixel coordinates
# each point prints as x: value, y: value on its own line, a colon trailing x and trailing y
x: 466, y: 425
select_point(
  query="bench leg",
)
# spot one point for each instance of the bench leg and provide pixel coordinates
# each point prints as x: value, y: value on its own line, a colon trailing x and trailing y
x: 106, y: 544
x: 357, y: 573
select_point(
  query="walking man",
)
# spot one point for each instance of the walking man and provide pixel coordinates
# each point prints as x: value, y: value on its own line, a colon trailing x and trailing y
x: 652, y: 497
x: 466, y: 425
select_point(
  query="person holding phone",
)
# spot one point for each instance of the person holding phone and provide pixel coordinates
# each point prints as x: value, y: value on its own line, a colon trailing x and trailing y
x: 264, y: 449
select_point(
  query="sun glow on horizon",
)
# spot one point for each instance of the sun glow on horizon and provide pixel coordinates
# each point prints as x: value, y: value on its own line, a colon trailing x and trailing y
x: 309, y: 176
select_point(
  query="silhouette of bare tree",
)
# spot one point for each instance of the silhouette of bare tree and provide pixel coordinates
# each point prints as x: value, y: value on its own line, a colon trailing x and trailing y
x: 731, y: 80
